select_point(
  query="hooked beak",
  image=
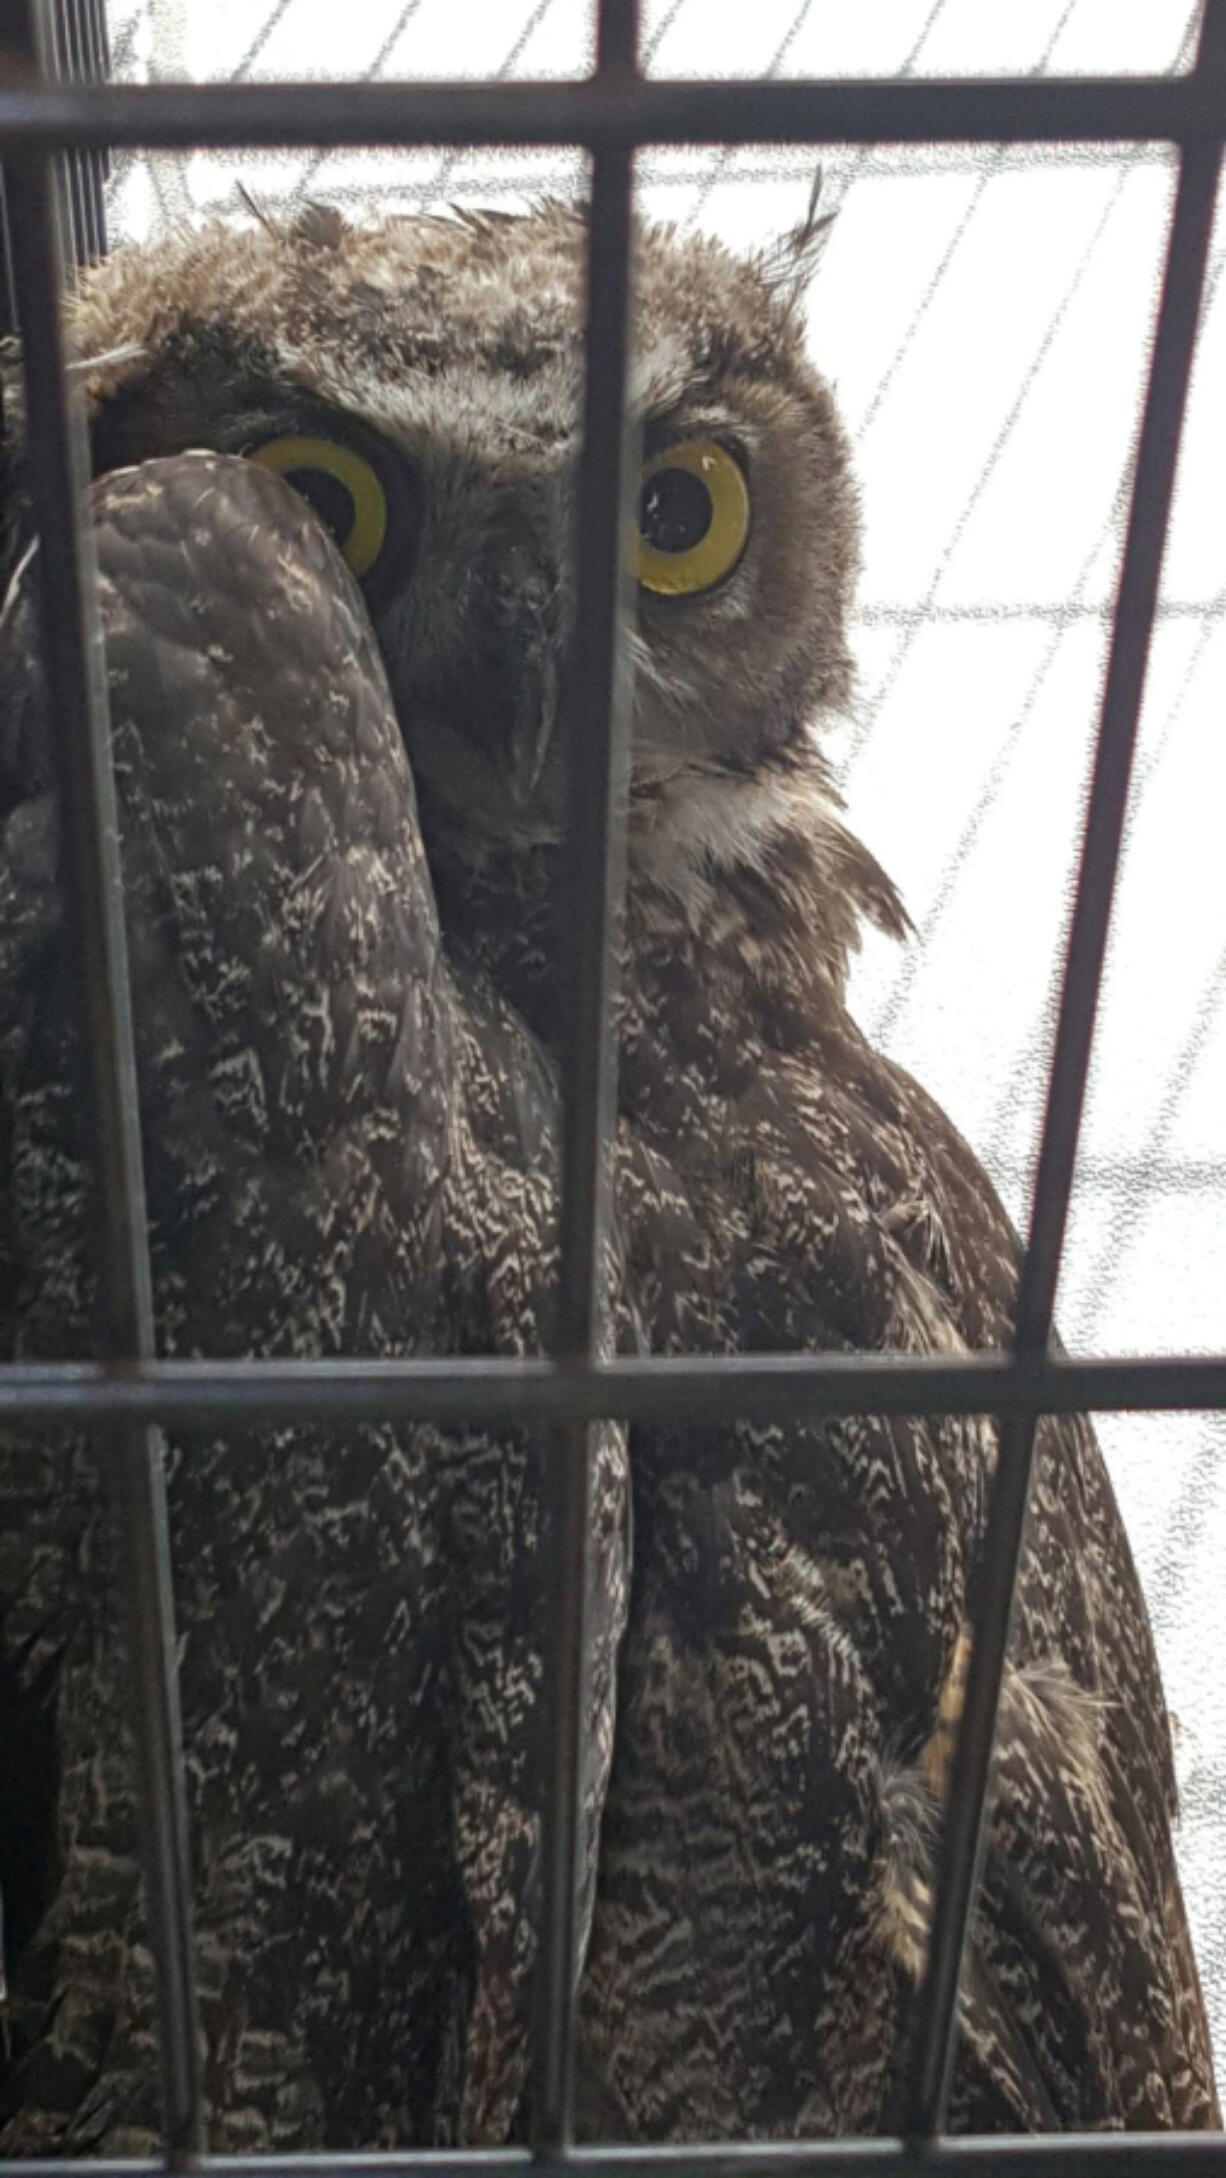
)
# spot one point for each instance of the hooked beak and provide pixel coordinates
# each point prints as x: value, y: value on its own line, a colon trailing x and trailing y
x: 533, y: 725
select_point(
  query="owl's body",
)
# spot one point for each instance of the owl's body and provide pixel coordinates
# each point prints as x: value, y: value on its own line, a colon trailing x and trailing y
x: 350, y: 990
x: 342, y: 1157
x: 800, y: 1594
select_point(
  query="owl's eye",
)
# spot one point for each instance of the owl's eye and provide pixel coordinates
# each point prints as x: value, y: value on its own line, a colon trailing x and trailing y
x: 693, y: 518
x: 343, y: 487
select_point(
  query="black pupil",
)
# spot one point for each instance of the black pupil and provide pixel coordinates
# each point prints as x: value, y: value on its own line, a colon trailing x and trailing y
x: 674, y: 510
x: 332, y: 500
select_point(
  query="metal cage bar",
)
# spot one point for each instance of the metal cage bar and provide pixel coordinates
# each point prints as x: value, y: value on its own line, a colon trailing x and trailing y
x: 1132, y: 623
x: 76, y: 684
x: 79, y: 28
x: 130, y: 1392
x: 1050, y: 2155
x: 675, y: 1389
x: 648, y: 110
x: 597, y: 771
x: 77, y: 52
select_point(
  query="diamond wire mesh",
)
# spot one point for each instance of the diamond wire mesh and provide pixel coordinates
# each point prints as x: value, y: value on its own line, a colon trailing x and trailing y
x: 925, y: 612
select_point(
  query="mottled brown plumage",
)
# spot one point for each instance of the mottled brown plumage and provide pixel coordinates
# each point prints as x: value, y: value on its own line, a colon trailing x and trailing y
x: 344, y: 1156
x: 788, y: 1679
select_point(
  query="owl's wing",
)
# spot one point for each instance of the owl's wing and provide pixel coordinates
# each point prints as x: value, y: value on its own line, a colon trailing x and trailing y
x: 1082, y: 2005
x: 335, y: 1165
x: 794, y: 1664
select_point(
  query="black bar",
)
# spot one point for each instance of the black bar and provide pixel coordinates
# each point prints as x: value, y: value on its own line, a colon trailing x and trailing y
x: 82, y: 62
x: 1170, y: 369
x: 1071, y: 2155
x: 59, y: 68
x: 593, y: 881
x: 97, y: 68
x: 8, y: 309
x: 593, y: 876
x: 236, y: 1395
x: 76, y: 688
x: 80, y: 164
x: 74, y: 34
x: 167, y: 116
x: 1132, y: 623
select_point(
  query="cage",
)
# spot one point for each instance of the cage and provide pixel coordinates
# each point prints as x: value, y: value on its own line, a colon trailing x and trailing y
x: 48, y: 109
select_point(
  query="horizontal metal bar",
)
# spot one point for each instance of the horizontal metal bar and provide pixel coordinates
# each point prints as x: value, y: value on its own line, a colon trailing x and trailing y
x: 252, y: 1394
x: 1051, y: 109
x: 1072, y: 2155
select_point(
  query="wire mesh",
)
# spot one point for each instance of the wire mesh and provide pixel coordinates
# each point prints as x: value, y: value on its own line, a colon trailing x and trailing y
x: 610, y: 114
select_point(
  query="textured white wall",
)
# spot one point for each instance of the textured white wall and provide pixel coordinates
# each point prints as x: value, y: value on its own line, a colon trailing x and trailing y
x: 986, y: 316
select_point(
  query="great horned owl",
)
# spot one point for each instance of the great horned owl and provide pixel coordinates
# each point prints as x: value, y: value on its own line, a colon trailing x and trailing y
x: 342, y: 797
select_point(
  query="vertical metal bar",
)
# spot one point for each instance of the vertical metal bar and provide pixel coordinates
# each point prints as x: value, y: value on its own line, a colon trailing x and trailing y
x: 83, y: 40
x: 926, y: 2084
x: 72, y: 69
x: 97, y: 66
x: 98, y: 69
x: 76, y: 52
x: 592, y: 883
x: 93, y: 66
x: 57, y: 63
x: 73, y: 667
x: 8, y: 307
x: 593, y: 872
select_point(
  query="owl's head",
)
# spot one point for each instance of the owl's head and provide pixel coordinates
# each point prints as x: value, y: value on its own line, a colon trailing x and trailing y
x: 419, y: 382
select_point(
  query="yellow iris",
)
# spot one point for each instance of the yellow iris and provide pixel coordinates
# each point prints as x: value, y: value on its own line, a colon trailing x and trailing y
x: 693, y: 518
x: 356, y: 515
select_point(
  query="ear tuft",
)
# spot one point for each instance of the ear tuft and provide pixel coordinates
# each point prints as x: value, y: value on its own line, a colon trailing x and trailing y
x: 319, y: 226
x: 253, y: 207
x: 789, y: 263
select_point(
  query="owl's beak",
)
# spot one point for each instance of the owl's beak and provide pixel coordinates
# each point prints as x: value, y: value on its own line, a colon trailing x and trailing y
x: 525, y: 623
x: 532, y: 733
